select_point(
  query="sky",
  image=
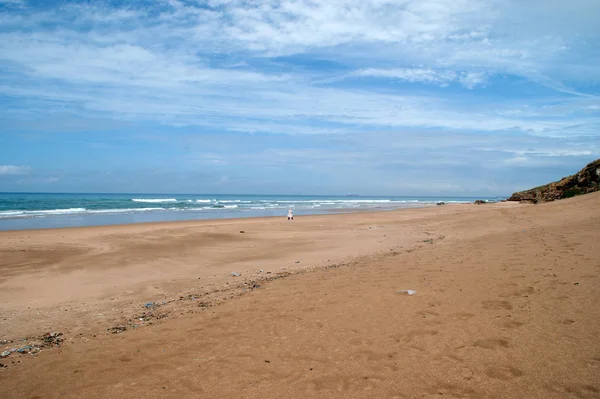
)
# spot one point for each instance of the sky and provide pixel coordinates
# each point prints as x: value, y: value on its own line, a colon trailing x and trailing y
x: 375, y: 97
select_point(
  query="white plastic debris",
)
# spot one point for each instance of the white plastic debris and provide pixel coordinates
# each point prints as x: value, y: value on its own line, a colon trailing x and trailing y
x: 407, y: 292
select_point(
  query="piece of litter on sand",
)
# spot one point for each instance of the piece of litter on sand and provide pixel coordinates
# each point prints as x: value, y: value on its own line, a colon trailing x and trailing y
x: 236, y: 274
x: 407, y: 292
x: 149, y: 304
x: 261, y: 270
x: 118, y: 329
x: 297, y: 261
x: 25, y: 349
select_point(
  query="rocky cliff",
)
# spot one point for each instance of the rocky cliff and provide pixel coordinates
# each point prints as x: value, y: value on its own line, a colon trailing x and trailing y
x: 586, y: 181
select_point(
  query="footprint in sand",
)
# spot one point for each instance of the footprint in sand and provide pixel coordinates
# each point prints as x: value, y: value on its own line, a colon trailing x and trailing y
x: 513, y: 324
x: 452, y: 390
x: 333, y: 383
x: 503, y: 373
x: 519, y: 292
x: 427, y: 313
x: 583, y: 391
x: 497, y: 305
x: 491, y: 343
x: 463, y: 316
x: 450, y: 356
x: 419, y: 333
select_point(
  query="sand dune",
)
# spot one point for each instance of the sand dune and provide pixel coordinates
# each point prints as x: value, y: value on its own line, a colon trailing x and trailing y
x: 507, y: 305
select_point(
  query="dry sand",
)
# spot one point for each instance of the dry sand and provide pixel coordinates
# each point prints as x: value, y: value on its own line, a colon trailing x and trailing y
x: 507, y: 306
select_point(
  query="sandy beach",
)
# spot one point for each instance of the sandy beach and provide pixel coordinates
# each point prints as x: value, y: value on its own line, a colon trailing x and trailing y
x: 507, y: 305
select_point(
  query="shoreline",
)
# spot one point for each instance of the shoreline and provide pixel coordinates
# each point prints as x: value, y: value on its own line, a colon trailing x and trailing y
x: 33, y: 211
x: 327, y: 212
x: 166, y: 216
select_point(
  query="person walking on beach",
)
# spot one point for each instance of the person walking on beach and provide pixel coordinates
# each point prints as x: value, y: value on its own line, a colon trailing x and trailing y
x: 290, y: 214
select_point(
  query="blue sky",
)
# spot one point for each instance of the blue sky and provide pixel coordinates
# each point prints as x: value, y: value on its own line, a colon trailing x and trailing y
x: 403, y: 97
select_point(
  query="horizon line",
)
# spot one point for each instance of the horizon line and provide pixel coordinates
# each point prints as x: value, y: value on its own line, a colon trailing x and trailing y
x: 256, y: 194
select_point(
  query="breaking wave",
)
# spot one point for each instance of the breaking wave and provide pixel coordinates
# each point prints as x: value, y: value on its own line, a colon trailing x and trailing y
x: 154, y: 200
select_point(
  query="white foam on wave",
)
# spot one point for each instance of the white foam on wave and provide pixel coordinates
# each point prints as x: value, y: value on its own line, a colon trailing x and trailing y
x: 154, y: 200
x: 125, y: 210
x: 336, y: 201
x: 60, y: 211
x: 71, y: 211
x: 13, y: 214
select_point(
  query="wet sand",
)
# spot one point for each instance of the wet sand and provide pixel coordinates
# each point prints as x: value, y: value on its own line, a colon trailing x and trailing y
x: 507, y: 305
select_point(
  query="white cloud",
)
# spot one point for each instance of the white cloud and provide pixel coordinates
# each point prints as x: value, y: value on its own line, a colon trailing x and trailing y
x: 411, y: 148
x: 472, y: 79
x: 8, y: 170
x: 276, y: 111
x: 410, y: 74
x: 469, y: 79
x: 175, y: 63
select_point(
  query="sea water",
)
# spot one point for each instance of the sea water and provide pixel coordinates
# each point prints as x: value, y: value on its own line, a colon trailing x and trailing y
x: 19, y: 211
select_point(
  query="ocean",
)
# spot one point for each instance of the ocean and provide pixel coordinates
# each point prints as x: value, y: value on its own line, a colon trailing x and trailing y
x: 21, y: 211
